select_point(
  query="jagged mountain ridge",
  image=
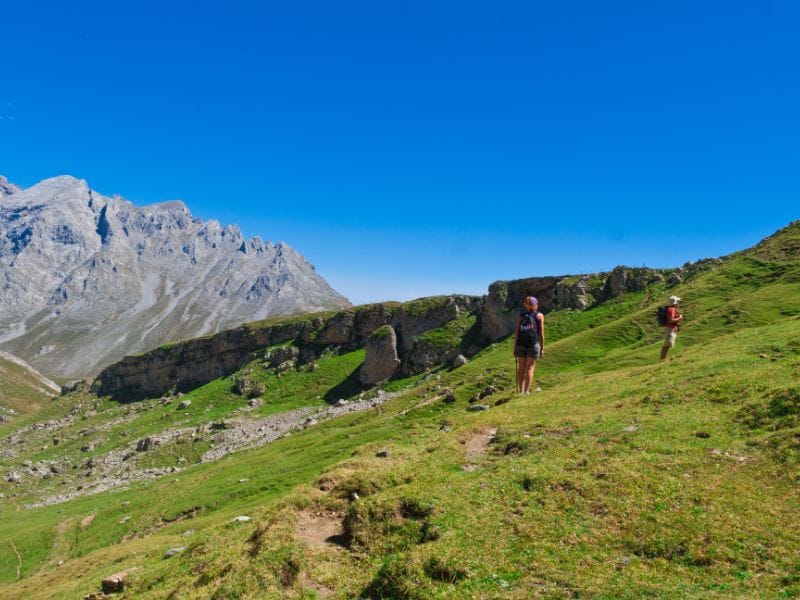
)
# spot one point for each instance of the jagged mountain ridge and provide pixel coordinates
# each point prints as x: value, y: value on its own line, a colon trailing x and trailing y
x: 86, y: 279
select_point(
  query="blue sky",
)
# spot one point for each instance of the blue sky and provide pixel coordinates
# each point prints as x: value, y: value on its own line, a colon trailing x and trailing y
x: 414, y: 148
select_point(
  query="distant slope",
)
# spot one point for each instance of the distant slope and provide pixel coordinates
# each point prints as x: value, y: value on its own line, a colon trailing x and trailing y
x: 22, y: 389
x: 87, y: 279
x: 624, y: 477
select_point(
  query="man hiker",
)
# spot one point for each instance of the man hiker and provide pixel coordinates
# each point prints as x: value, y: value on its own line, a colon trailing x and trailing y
x: 672, y: 319
x: 528, y: 343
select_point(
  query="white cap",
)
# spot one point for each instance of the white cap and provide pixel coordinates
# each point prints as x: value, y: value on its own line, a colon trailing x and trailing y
x: 673, y: 300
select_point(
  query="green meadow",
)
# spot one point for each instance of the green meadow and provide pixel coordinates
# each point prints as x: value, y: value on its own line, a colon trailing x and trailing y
x: 623, y: 477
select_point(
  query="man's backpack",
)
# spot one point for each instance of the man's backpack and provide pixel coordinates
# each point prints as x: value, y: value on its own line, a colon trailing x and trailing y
x: 528, y: 328
x: 661, y: 315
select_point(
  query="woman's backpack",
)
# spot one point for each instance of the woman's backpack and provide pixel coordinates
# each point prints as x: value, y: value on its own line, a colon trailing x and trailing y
x: 528, y: 334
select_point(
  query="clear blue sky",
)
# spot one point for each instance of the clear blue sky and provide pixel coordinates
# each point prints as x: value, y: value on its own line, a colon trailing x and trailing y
x: 413, y: 148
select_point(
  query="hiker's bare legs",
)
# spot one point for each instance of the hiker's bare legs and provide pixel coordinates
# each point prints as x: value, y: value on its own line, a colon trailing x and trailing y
x: 520, y: 374
x: 529, y: 365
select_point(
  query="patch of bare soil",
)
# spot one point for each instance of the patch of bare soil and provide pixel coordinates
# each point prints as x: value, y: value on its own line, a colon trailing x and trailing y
x: 320, y: 529
x: 86, y: 521
x: 323, y: 591
x: 475, y: 446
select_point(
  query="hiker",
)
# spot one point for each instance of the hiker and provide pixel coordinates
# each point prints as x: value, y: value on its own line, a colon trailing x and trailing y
x: 528, y: 343
x: 672, y: 319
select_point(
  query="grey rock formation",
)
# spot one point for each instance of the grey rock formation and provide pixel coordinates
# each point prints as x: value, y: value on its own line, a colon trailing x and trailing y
x: 504, y: 302
x: 86, y: 279
x: 628, y: 279
x: 381, y: 360
x: 195, y: 362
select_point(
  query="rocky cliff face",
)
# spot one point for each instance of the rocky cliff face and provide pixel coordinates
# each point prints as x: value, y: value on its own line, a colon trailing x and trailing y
x: 188, y: 364
x: 86, y: 279
x: 397, y: 337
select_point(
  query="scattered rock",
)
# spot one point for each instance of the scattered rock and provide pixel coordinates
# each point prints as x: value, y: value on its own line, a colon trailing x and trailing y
x: 477, y: 407
x: 115, y: 583
x: 255, y: 402
x: 445, y: 429
x: 460, y: 361
x: 449, y: 396
x: 631, y: 429
x: 87, y: 448
x: 487, y: 392
x: 124, y: 519
x: 173, y: 551
x: 538, y: 389
x: 184, y: 404
x: 340, y: 402
x: 56, y: 441
x: 240, y: 519
x: 96, y: 596
x: 144, y: 444
x: 762, y: 355
x: 702, y: 434
x: 243, y: 480
x: 188, y: 533
x: 383, y: 454
x: 13, y: 477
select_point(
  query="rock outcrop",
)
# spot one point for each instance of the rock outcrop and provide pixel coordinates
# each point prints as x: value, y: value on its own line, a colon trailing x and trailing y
x: 381, y: 359
x: 504, y: 301
x: 626, y: 279
x: 86, y: 279
x: 188, y: 364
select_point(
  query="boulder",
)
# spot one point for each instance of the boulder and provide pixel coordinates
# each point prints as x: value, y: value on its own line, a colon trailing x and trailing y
x: 115, y: 583
x: 173, y: 551
x: 460, y: 361
x: 145, y: 444
x: 487, y: 392
x: 381, y: 359
x: 184, y: 404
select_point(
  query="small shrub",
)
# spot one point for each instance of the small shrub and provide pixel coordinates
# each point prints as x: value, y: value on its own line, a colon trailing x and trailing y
x: 359, y: 483
x: 415, y: 508
x: 446, y: 571
x: 531, y: 483
x: 511, y: 442
x: 399, y: 579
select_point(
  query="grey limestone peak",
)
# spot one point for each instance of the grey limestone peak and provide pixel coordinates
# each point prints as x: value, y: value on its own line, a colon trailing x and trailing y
x: 86, y: 278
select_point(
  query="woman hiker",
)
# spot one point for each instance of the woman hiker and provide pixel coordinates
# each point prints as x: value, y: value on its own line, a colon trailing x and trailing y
x: 528, y: 343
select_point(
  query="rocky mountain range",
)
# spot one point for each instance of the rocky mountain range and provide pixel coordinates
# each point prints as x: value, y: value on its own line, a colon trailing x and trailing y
x: 86, y: 279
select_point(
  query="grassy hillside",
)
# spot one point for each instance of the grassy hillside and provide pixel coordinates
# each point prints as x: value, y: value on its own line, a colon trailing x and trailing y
x: 624, y: 477
x: 21, y: 389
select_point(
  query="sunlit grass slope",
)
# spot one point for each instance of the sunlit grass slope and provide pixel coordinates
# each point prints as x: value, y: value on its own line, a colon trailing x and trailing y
x: 623, y: 478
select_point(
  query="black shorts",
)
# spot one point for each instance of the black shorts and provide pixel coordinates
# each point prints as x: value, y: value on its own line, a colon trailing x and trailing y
x: 522, y: 351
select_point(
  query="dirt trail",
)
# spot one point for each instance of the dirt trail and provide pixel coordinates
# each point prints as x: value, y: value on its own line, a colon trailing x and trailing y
x: 320, y: 529
x: 475, y: 446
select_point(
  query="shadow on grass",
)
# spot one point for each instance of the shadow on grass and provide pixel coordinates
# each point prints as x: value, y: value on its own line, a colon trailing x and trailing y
x: 350, y: 386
